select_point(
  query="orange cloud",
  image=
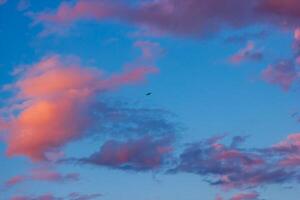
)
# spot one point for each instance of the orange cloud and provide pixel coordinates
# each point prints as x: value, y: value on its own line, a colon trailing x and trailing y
x: 53, y: 104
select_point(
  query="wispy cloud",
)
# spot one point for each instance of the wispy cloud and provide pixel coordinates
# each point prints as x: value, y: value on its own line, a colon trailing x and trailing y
x: 248, y: 53
x: 42, y: 174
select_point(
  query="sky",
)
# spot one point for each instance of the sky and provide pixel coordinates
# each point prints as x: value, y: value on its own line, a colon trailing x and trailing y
x: 149, y: 100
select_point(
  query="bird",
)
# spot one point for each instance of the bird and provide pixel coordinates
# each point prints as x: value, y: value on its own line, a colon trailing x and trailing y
x: 148, y: 94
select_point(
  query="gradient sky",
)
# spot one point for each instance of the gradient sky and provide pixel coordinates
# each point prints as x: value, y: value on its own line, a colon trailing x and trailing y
x: 221, y: 121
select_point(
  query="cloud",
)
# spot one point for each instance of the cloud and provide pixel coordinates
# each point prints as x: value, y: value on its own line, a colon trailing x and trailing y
x: 175, y: 16
x: 40, y: 197
x: 125, y: 121
x: 150, y: 50
x: 141, y: 154
x: 283, y: 74
x: 66, y: 14
x: 14, y: 181
x: 145, y: 138
x: 48, y: 175
x: 42, y: 174
x: 232, y: 167
x: 297, y: 34
x: 246, y: 196
x: 288, y: 151
x: 218, y: 197
x: 246, y: 53
x: 287, y: 10
x: 52, y: 104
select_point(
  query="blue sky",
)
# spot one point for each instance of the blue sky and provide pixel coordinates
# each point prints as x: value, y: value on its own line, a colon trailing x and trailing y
x: 232, y: 74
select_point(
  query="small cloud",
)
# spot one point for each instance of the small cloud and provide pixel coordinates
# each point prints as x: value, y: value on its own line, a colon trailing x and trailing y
x: 248, y: 53
x: 283, y: 74
x: 42, y: 174
x: 246, y: 196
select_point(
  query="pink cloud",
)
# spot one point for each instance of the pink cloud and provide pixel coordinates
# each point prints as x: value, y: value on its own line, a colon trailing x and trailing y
x: 289, y: 149
x: 245, y: 196
x: 233, y: 167
x: 67, y: 13
x: 292, y: 160
x: 283, y: 74
x: 42, y: 174
x: 150, y: 50
x: 176, y: 16
x: 142, y: 154
x: 218, y: 197
x: 52, y: 176
x: 291, y: 141
x: 247, y: 53
x: 14, y: 181
x: 53, y: 101
x: 41, y: 197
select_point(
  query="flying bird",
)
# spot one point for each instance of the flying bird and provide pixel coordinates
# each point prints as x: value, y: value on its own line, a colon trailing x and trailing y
x: 148, y: 94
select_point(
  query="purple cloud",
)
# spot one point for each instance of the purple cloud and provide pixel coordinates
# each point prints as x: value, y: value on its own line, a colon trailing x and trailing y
x: 42, y: 174
x: 283, y: 74
x: 175, y: 16
x: 141, y: 154
x: 232, y: 167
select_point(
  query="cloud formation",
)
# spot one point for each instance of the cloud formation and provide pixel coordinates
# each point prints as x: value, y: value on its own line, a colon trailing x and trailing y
x: 141, y: 154
x: 176, y: 16
x: 52, y: 104
x: 172, y: 16
x: 288, y: 151
x: 232, y: 167
x: 283, y: 74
